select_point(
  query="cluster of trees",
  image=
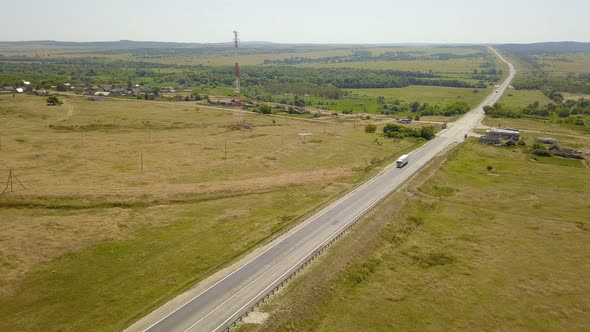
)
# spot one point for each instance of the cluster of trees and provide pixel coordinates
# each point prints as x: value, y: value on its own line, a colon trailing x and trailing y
x: 571, y: 111
x: 322, y: 82
x: 550, y: 85
x: 53, y: 101
x: 421, y: 109
x: 498, y: 110
x: 392, y: 130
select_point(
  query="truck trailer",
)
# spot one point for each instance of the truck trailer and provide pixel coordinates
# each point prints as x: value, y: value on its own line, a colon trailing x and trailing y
x: 402, y: 161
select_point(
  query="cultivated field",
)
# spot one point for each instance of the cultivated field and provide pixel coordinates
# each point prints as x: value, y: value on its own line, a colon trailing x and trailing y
x: 472, y: 248
x: 89, y: 239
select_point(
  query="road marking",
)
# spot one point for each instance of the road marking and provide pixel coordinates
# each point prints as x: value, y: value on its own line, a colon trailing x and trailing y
x: 447, y: 137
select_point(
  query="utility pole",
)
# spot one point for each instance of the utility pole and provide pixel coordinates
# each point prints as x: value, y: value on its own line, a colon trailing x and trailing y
x: 9, y: 182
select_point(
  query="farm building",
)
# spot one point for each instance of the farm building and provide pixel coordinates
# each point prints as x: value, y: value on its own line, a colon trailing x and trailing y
x: 490, y: 139
x: 546, y: 140
x: 565, y: 153
x: 505, y: 133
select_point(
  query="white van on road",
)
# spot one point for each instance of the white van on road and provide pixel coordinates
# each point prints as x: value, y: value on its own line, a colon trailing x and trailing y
x: 402, y: 161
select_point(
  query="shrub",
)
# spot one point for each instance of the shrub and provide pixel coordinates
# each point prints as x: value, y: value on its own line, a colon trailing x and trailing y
x: 265, y: 109
x: 541, y: 152
x: 54, y: 101
x: 370, y: 128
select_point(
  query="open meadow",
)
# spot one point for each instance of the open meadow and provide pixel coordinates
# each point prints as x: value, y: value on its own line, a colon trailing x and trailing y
x: 481, y: 240
x: 439, y: 66
x: 118, y: 205
x: 565, y: 63
x: 442, y: 96
x: 522, y: 98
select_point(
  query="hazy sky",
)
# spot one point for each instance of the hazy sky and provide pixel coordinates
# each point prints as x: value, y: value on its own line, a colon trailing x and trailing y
x: 315, y: 21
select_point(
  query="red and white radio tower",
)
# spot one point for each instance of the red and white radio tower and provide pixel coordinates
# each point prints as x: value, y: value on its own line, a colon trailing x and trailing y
x: 238, y: 100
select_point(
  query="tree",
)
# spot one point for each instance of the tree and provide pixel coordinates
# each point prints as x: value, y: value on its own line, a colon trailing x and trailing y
x: 54, y: 101
x: 370, y: 128
x: 427, y: 132
x: 265, y: 109
x: 298, y: 101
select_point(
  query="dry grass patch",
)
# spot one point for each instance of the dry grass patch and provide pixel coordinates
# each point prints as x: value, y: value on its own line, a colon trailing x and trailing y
x: 92, y: 230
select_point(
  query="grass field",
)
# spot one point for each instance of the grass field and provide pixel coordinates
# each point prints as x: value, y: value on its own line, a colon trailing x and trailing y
x: 541, y: 127
x: 574, y: 96
x: 365, y: 100
x: 565, y: 63
x: 227, y: 58
x: 247, y: 59
x: 438, y: 66
x: 470, y: 249
x: 425, y: 94
x: 522, y: 98
x: 94, y: 242
x: 521, y: 66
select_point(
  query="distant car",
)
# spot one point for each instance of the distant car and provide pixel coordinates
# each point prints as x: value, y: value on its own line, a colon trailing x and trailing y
x: 496, y: 91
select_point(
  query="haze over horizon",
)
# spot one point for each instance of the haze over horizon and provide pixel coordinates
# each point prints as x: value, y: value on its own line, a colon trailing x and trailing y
x: 375, y: 22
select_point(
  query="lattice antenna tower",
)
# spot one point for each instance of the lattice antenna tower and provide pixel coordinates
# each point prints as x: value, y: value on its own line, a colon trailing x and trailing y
x: 236, y: 48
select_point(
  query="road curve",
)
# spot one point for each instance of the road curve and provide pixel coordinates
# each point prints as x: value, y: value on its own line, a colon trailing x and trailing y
x: 220, y: 305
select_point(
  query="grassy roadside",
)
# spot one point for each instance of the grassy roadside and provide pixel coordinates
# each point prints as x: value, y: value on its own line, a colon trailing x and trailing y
x: 96, y: 244
x: 473, y: 249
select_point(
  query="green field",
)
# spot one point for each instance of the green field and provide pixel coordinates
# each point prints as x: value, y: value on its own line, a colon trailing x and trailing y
x: 438, y: 66
x: 92, y: 241
x: 565, y: 63
x: 471, y: 249
x: 425, y: 94
x: 522, y: 98
x: 540, y: 127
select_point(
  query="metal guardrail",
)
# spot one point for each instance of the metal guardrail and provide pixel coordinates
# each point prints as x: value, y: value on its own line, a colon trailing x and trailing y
x: 281, y: 282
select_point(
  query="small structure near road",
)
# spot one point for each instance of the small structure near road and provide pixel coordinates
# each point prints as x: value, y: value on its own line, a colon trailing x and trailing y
x: 490, y: 140
x: 497, y: 135
x: 505, y: 133
x: 304, y: 135
x: 565, y: 153
x: 546, y: 140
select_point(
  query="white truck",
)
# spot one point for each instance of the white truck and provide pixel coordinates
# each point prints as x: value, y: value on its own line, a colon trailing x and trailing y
x: 402, y: 161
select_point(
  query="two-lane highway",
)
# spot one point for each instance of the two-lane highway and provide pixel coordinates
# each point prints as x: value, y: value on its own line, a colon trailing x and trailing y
x: 220, y: 305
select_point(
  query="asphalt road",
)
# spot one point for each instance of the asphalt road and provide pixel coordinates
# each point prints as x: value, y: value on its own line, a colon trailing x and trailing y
x: 219, y: 306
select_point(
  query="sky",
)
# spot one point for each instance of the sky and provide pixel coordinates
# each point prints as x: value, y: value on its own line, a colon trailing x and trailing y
x: 300, y: 21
